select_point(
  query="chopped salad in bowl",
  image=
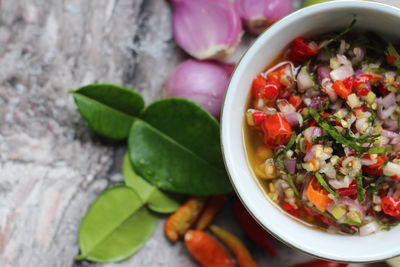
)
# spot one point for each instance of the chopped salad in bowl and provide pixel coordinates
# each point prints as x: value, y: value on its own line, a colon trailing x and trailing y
x: 323, y: 131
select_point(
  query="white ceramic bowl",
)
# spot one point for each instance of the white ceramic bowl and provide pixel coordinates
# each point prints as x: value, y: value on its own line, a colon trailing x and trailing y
x: 310, y: 21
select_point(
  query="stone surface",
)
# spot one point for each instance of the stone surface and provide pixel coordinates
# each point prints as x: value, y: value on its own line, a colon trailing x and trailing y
x: 51, y: 165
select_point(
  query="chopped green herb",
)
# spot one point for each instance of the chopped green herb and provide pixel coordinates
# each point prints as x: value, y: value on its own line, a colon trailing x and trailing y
x: 373, y: 187
x: 351, y: 222
x: 347, y: 229
x: 342, y: 139
x: 327, y: 215
x: 322, y: 181
x: 334, y: 39
x: 289, y: 176
x: 333, y: 132
x: 360, y: 189
x: 288, y: 146
x: 321, y: 138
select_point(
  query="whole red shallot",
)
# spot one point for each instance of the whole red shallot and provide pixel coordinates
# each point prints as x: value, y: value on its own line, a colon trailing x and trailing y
x: 206, y: 29
x: 204, y: 82
x: 259, y: 14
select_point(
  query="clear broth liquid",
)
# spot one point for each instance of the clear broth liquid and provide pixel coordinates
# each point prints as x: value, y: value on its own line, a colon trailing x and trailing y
x: 257, y: 152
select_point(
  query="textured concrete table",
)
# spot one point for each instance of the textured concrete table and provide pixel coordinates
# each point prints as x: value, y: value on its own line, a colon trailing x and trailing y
x: 51, y: 165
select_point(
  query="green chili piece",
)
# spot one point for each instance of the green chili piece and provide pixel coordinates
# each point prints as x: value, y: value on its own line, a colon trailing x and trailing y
x: 322, y: 181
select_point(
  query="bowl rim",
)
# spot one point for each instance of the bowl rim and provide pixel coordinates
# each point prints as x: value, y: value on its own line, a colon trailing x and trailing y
x: 306, y: 11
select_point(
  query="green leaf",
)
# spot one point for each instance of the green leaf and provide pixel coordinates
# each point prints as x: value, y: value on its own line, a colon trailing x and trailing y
x: 115, y: 226
x: 109, y: 109
x: 178, y: 148
x: 155, y: 199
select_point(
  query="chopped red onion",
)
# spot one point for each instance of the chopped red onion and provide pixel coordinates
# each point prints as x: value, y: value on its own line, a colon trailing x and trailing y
x: 326, y: 85
x: 279, y: 189
x: 396, y: 194
x: 395, y: 140
x: 389, y: 100
x: 389, y: 134
x: 342, y: 47
x: 337, y: 105
x: 391, y: 169
x: 317, y: 131
x: 307, y: 101
x: 277, y: 66
x: 304, y: 81
x: 323, y: 73
x: 284, y: 106
x: 316, y: 102
x: 367, y: 162
x: 359, y: 53
x: 391, y: 125
x: 269, y: 111
x: 369, y: 228
x: 309, y: 155
x: 349, y: 151
x: 344, y: 61
x: 384, y: 113
x: 354, y: 204
x: 342, y: 72
x: 290, y: 165
x: 293, y: 118
x: 361, y: 124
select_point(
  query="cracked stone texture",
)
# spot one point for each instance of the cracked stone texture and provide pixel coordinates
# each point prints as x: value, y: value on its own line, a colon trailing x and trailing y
x: 51, y: 165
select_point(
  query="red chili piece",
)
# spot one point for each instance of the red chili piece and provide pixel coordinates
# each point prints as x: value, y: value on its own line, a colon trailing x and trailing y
x: 391, y: 59
x: 301, y: 51
x: 277, y: 130
x: 382, y: 90
x: 259, y: 117
x: 258, y: 87
x: 272, y: 90
x: 377, y: 168
x: 341, y: 89
x: 262, y: 88
x: 348, y: 191
x: 391, y: 206
x: 296, y: 101
x: 286, y: 206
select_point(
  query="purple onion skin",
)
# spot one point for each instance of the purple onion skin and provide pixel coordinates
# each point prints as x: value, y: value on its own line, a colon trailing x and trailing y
x: 323, y: 72
x: 290, y: 164
x: 204, y: 82
x: 391, y: 125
